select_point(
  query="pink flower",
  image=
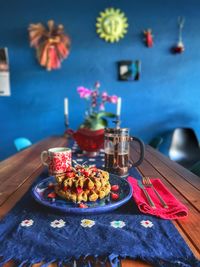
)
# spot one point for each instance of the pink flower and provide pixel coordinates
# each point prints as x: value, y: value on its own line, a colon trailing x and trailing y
x: 113, y: 99
x: 94, y: 93
x: 84, y: 92
x: 104, y: 96
x: 97, y: 99
x: 101, y: 106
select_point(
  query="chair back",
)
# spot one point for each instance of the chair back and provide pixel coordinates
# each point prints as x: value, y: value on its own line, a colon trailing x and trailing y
x: 196, y: 168
x: 156, y: 142
x: 184, y: 144
x: 22, y: 143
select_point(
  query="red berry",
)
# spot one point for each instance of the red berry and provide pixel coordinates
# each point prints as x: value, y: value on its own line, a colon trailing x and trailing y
x: 52, y: 195
x: 51, y: 186
x: 114, y: 196
x: 79, y: 168
x: 82, y: 205
x: 115, y: 187
x: 79, y: 190
x: 86, y: 173
x: 94, y: 169
x: 65, y: 188
x: 70, y: 174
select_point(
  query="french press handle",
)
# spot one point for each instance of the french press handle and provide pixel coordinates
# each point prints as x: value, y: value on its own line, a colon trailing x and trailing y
x: 141, y: 144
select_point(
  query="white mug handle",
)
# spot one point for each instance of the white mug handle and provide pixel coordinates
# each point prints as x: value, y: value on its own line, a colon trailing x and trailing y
x: 44, y: 154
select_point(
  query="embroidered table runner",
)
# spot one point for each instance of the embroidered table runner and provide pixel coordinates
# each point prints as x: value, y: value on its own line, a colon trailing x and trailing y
x: 32, y: 233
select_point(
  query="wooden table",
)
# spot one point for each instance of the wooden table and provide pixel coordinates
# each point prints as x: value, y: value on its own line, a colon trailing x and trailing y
x: 18, y: 172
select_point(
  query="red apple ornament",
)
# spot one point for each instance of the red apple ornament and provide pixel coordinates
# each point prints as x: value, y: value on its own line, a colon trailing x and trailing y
x: 179, y: 48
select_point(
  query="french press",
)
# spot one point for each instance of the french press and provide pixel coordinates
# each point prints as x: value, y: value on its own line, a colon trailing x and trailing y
x: 117, y: 150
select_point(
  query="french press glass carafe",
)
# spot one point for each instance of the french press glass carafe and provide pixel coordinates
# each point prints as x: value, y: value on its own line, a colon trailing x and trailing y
x: 117, y: 150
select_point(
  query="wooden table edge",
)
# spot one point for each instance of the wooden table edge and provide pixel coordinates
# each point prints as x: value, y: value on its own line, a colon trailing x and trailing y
x: 11, y: 202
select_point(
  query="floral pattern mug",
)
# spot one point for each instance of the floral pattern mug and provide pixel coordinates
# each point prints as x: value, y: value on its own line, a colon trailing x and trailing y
x: 57, y: 159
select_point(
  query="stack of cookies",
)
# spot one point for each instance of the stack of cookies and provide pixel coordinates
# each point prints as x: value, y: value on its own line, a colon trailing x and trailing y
x: 82, y: 184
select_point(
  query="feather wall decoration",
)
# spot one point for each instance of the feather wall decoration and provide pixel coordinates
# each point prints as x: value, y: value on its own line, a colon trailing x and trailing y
x: 51, y: 43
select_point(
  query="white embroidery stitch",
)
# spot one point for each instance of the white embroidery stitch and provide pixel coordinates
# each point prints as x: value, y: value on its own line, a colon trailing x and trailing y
x: 117, y: 224
x: 58, y: 223
x: 92, y: 159
x: 87, y: 223
x: 146, y: 223
x: 27, y: 223
x: 79, y: 160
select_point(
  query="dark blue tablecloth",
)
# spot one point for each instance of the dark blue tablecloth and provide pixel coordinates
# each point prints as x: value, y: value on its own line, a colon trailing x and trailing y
x: 32, y: 233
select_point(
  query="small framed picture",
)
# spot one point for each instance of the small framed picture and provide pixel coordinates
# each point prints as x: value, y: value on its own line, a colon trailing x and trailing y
x: 129, y: 70
x: 4, y: 73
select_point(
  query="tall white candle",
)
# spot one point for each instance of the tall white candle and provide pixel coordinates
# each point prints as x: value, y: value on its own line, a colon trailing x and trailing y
x: 119, y: 103
x: 66, y: 106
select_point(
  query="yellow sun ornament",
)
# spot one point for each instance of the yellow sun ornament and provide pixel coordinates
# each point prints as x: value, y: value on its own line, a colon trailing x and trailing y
x: 112, y: 25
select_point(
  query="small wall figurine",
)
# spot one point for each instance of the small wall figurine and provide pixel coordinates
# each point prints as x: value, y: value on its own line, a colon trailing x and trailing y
x: 148, y: 38
x: 179, y: 48
x: 52, y: 44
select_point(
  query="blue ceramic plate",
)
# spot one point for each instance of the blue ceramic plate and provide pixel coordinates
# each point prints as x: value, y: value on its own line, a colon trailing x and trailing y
x: 42, y: 190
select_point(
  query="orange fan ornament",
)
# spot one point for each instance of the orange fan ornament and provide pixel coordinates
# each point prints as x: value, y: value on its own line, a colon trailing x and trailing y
x: 52, y: 44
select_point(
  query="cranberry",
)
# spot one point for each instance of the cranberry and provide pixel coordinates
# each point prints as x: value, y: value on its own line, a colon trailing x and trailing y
x: 65, y: 188
x: 82, y: 205
x: 86, y: 173
x: 93, y: 169
x: 70, y: 174
x: 51, y: 186
x: 115, y: 187
x: 52, y: 195
x: 114, y: 196
x: 79, y: 190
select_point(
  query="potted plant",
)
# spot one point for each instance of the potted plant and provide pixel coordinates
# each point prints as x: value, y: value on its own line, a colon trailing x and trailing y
x: 90, y: 135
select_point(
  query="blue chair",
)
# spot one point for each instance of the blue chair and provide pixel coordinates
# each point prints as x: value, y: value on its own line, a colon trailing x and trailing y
x: 21, y: 143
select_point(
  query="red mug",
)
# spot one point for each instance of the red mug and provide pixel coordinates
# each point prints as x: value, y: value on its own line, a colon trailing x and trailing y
x: 57, y: 159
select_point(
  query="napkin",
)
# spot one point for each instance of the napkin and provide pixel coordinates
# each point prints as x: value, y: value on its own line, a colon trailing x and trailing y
x: 175, y: 210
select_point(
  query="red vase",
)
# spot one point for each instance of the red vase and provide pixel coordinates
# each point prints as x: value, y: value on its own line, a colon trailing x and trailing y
x: 89, y: 141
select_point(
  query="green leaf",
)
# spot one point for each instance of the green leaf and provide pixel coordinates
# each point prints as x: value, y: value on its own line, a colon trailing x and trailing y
x: 106, y: 114
x: 98, y: 124
x: 103, y: 122
x: 97, y: 121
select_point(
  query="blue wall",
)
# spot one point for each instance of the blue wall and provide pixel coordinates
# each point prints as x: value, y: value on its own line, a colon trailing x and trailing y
x: 167, y: 95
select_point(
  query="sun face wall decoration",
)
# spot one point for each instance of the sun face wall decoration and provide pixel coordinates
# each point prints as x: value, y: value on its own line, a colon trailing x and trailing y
x: 111, y: 25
